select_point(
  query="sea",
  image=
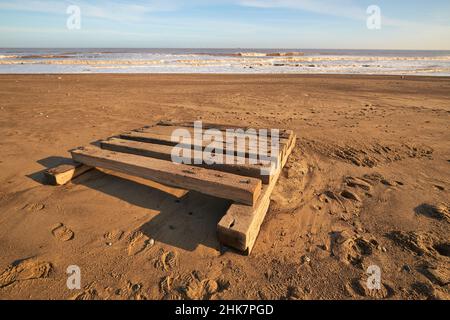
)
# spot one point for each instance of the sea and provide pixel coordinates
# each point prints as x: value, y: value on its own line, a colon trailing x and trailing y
x: 233, y: 61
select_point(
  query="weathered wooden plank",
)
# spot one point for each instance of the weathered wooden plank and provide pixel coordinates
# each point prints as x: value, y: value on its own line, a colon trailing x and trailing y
x: 216, y: 183
x: 242, y: 133
x: 222, y: 127
x: 176, y: 192
x: 246, y: 137
x: 150, y: 137
x: 237, y: 165
x: 240, y: 226
x: 63, y: 173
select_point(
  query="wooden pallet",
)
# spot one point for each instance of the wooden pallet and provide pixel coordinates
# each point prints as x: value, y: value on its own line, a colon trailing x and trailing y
x: 146, y: 153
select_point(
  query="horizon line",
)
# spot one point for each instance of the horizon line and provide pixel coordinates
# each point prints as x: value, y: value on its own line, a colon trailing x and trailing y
x: 227, y: 48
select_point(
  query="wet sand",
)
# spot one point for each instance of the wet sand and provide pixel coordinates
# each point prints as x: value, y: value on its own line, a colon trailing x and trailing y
x: 367, y: 184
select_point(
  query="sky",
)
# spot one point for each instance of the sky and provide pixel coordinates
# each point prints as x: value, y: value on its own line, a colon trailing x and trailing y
x: 302, y: 24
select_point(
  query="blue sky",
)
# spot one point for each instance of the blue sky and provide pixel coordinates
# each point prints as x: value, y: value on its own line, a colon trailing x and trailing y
x: 338, y: 24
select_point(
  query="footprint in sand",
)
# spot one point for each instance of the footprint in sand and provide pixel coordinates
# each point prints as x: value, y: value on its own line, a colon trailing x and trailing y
x: 421, y: 243
x: 26, y: 270
x: 356, y: 189
x: 165, y: 287
x: 440, y: 211
x: 442, y: 248
x: 132, y: 291
x: 89, y: 293
x: 33, y: 207
x: 138, y: 242
x: 274, y: 291
x: 113, y: 236
x: 350, y: 248
x: 428, y: 291
x: 438, y: 274
x: 168, y: 260
x: 348, y: 199
x: 358, y: 183
x: 201, y: 290
x: 347, y: 194
x: 191, y: 286
x: 359, y: 286
x: 62, y: 233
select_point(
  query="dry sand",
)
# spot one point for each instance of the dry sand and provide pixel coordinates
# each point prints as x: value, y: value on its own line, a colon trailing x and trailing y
x: 367, y: 184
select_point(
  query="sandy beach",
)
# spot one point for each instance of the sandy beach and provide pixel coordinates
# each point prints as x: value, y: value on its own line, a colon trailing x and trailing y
x: 368, y: 183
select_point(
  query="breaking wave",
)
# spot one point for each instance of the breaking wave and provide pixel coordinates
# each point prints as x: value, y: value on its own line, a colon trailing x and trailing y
x: 223, y: 62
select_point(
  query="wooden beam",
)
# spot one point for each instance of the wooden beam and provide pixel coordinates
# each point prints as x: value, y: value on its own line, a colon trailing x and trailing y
x: 63, y: 173
x: 220, y: 184
x: 176, y: 192
x: 240, y: 226
x: 166, y: 139
x: 238, y: 165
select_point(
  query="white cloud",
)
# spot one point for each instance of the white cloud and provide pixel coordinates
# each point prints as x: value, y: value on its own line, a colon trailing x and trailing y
x: 112, y: 10
x: 344, y: 9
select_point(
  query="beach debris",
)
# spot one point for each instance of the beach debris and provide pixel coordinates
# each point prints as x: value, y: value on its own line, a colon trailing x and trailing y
x: 306, y: 259
x: 147, y: 153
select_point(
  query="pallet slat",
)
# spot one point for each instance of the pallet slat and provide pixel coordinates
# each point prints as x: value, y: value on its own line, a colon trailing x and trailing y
x: 150, y: 137
x: 222, y: 127
x: 239, y: 165
x: 168, y: 130
x: 245, y: 190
